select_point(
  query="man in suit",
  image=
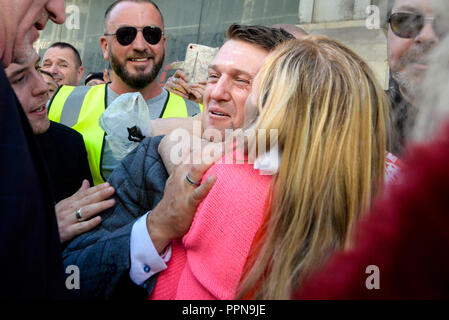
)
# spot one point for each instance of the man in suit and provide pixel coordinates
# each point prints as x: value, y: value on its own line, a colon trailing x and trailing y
x: 29, y: 243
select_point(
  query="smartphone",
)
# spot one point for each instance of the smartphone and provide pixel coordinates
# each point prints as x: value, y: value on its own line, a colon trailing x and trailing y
x: 197, y: 61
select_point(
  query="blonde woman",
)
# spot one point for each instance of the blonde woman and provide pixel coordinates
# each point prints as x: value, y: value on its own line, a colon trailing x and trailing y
x: 256, y: 236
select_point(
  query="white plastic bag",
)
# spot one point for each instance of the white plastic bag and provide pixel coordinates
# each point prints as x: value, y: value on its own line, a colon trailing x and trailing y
x: 126, y: 122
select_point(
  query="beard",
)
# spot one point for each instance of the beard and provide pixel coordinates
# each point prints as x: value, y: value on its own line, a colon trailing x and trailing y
x: 140, y: 80
x: 410, y: 78
x: 434, y: 113
x: 408, y: 83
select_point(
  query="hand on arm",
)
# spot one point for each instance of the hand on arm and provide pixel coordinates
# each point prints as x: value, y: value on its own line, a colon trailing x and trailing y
x: 172, y: 217
x: 91, y: 201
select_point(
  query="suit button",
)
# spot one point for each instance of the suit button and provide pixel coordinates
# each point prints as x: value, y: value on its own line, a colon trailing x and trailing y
x: 146, y: 269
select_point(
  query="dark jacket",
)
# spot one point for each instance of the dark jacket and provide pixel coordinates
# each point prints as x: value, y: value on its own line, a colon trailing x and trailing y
x: 403, y: 116
x: 30, y: 250
x: 66, y: 159
x: 102, y: 254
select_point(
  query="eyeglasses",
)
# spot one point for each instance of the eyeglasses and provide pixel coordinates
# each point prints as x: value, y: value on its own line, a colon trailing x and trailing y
x: 126, y: 35
x: 409, y: 25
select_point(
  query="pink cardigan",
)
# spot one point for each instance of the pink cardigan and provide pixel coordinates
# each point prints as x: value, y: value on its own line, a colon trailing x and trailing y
x: 208, y: 262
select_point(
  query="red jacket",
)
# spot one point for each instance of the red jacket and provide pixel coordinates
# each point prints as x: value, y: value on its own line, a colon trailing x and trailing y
x: 406, y: 236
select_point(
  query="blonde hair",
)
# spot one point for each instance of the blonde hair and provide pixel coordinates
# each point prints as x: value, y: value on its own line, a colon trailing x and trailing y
x: 330, y: 114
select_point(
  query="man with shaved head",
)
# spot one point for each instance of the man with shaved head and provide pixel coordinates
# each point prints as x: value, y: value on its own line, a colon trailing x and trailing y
x: 134, y: 43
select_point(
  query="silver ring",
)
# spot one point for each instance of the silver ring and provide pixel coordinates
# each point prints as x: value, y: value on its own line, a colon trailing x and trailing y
x: 78, y: 215
x: 192, y: 182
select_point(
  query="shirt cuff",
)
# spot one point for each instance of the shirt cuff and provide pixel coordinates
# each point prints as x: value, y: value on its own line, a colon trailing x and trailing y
x: 145, y: 260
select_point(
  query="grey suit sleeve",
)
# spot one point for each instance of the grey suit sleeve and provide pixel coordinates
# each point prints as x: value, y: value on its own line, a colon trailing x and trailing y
x: 102, y: 255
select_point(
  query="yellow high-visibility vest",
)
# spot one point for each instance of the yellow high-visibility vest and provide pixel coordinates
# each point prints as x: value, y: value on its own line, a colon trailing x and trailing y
x: 81, y: 107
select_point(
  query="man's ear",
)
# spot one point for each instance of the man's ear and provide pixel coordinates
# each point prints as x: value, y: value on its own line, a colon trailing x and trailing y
x: 80, y: 73
x: 104, y: 47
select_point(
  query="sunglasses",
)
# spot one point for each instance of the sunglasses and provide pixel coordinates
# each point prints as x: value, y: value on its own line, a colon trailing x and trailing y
x: 409, y: 25
x: 126, y: 35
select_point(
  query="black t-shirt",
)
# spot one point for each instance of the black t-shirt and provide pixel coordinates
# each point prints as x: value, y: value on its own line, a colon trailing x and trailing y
x: 66, y: 159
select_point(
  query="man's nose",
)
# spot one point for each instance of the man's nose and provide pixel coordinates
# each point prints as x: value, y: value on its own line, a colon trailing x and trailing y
x: 221, y: 89
x: 40, y: 87
x: 139, y: 43
x: 56, y: 11
x: 53, y: 69
x: 427, y: 35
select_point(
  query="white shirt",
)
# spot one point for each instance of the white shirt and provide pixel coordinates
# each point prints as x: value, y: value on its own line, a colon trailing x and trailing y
x: 145, y: 260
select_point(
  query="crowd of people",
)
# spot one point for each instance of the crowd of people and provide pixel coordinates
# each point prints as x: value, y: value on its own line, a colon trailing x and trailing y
x: 349, y: 175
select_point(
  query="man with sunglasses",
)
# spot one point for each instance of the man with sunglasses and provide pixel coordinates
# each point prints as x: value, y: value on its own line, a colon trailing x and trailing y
x: 134, y: 43
x: 413, y: 31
